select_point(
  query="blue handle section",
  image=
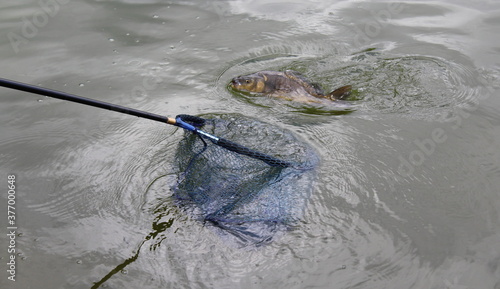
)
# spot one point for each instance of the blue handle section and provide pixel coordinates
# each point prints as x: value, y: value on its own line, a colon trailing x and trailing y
x: 180, y: 123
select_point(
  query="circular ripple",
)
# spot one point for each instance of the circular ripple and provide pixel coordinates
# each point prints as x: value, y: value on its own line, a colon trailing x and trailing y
x: 413, y: 86
x: 419, y: 87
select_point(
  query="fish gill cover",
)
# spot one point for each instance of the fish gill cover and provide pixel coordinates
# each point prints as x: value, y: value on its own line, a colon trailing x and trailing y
x: 245, y: 200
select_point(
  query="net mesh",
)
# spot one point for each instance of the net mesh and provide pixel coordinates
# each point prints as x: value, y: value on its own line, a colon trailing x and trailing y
x: 244, y: 199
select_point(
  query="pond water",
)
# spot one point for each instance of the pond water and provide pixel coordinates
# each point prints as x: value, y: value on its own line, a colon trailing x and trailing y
x: 406, y: 193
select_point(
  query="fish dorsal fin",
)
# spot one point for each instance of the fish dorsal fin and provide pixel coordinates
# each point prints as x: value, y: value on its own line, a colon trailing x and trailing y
x: 340, y: 93
x: 311, y: 88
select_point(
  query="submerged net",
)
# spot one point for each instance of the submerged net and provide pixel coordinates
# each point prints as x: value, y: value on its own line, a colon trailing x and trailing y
x: 244, y: 199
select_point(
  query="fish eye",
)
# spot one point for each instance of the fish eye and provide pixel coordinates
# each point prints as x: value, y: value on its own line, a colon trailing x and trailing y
x: 247, y: 81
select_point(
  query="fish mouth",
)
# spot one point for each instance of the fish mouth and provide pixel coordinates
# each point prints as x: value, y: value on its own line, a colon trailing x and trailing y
x: 235, y: 82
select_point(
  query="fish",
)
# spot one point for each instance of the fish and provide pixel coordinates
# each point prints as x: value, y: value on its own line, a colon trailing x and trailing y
x: 288, y: 85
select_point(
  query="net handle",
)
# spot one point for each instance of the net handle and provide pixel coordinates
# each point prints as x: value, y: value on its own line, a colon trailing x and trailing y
x: 188, y: 122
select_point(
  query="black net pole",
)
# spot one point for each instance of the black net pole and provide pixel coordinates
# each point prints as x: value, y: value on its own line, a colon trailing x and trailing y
x: 82, y: 100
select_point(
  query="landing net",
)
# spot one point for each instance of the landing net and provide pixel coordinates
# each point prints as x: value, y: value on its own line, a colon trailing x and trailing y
x: 244, y: 199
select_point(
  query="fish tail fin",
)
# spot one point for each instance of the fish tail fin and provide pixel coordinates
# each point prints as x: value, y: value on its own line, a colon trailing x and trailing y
x: 340, y: 93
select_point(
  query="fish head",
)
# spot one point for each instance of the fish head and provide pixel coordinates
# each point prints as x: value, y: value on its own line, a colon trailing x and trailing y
x: 249, y: 83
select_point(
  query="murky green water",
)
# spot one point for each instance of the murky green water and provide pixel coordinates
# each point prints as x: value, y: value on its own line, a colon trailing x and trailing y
x: 407, y: 193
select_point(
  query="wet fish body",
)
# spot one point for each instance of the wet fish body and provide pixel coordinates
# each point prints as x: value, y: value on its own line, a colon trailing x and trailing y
x: 288, y: 85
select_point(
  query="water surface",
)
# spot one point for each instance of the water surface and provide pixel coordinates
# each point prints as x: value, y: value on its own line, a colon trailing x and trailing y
x: 407, y: 190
